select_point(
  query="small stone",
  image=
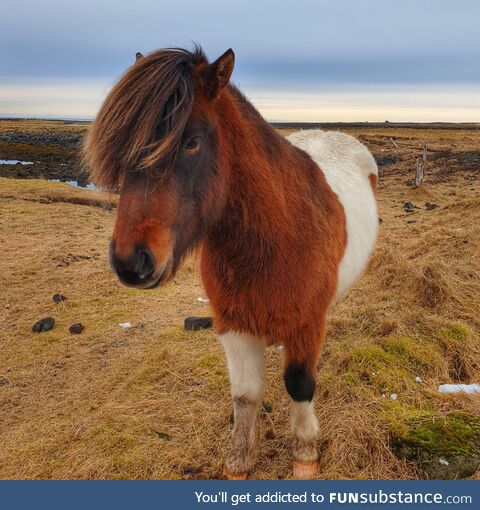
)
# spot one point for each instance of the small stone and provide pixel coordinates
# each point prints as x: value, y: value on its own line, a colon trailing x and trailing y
x: 267, y: 408
x: 272, y: 454
x: 76, y: 329
x: 3, y: 381
x: 188, y: 470
x: 165, y: 436
x: 429, y: 206
x: 393, y: 396
x: 58, y: 298
x: 412, y: 221
x: 197, y: 323
x: 418, y: 378
x: 380, y: 221
x: 409, y: 207
x: 45, y: 324
x: 270, y: 435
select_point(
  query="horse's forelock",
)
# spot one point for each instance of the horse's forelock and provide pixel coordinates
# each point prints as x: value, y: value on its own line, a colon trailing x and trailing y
x: 140, y: 124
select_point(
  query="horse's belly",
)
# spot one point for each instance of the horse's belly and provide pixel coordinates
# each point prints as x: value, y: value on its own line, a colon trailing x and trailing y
x: 359, y: 204
x: 347, y: 164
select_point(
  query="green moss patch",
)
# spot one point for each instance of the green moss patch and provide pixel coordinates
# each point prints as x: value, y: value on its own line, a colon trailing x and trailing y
x: 443, y: 447
x: 393, y: 364
x: 453, y: 334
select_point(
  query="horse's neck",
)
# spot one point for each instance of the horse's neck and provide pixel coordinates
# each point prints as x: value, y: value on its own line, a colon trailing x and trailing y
x: 260, y: 170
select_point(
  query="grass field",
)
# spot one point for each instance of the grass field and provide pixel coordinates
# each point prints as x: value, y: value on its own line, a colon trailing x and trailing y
x: 153, y: 401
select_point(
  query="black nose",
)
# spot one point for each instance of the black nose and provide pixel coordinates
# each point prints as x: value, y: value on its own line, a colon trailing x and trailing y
x: 135, y: 270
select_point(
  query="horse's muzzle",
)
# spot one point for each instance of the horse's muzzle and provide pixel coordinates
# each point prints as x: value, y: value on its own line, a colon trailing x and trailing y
x: 138, y: 269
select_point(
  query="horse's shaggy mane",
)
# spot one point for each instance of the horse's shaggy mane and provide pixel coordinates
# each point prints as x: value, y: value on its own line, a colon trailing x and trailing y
x: 140, y: 124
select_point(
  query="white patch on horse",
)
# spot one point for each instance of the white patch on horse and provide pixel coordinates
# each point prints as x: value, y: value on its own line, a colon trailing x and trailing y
x: 303, y: 421
x: 245, y: 358
x: 346, y: 164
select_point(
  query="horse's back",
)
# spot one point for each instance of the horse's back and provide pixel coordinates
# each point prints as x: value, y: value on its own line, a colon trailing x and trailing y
x: 348, y: 167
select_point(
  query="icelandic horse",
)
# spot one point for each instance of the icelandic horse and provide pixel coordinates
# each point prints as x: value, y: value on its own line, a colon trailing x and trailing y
x: 284, y: 225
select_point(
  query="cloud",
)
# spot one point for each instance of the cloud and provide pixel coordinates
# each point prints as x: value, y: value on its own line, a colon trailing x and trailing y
x: 309, y: 47
x: 345, y: 40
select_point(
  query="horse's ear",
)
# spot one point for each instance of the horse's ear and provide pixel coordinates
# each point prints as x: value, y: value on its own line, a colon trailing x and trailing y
x: 217, y: 74
x: 138, y: 56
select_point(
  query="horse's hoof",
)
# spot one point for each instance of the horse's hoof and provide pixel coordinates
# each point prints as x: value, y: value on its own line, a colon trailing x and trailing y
x: 236, y: 476
x: 305, y: 469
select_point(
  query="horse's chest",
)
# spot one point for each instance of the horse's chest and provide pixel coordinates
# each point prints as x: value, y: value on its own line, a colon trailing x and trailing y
x: 263, y: 298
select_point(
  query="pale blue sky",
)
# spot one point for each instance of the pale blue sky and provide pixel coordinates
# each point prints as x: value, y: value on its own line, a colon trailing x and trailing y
x: 297, y: 60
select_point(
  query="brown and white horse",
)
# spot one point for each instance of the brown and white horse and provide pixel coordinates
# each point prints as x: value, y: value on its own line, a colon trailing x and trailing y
x: 284, y: 225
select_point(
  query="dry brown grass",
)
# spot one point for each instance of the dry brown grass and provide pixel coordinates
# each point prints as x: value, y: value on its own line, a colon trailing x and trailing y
x: 153, y: 401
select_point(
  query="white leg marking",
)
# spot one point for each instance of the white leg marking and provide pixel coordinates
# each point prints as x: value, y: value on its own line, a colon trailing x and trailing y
x: 305, y: 429
x: 245, y: 358
x: 304, y: 422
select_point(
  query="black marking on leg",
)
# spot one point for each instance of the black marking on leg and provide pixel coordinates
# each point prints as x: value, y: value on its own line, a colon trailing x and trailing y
x: 300, y: 384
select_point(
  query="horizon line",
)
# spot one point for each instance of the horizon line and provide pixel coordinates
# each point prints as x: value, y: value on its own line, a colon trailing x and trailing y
x: 270, y: 121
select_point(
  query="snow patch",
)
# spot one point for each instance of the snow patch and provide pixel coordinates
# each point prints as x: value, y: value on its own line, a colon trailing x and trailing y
x: 14, y: 162
x: 459, y: 388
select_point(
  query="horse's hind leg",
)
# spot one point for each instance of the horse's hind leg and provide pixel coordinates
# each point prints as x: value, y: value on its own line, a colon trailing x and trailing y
x: 245, y: 357
x: 300, y: 367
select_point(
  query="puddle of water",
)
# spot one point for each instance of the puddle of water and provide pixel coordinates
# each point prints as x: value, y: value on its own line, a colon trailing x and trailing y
x: 76, y: 185
x: 14, y: 162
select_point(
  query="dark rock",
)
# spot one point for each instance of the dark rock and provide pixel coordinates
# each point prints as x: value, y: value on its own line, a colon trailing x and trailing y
x: 189, y: 470
x: 270, y: 435
x: 272, y: 454
x: 412, y: 221
x: 45, y: 324
x: 380, y: 221
x: 409, y: 207
x: 163, y: 435
x: 386, y: 160
x: 429, y: 206
x: 3, y: 381
x: 197, y: 323
x: 58, y: 298
x: 266, y: 407
x: 76, y: 329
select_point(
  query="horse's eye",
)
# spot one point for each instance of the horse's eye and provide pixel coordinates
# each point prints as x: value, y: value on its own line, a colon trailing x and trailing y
x: 192, y: 147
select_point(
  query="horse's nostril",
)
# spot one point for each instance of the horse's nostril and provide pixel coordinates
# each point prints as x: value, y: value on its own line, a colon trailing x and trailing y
x: 145, y: 266
x: 136, y: 269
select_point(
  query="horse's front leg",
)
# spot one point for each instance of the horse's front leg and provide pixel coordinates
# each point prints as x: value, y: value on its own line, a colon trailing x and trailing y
x: 245, y: 357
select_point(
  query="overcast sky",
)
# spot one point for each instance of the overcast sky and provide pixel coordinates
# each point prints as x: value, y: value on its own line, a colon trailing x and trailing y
x: 297, y: 60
